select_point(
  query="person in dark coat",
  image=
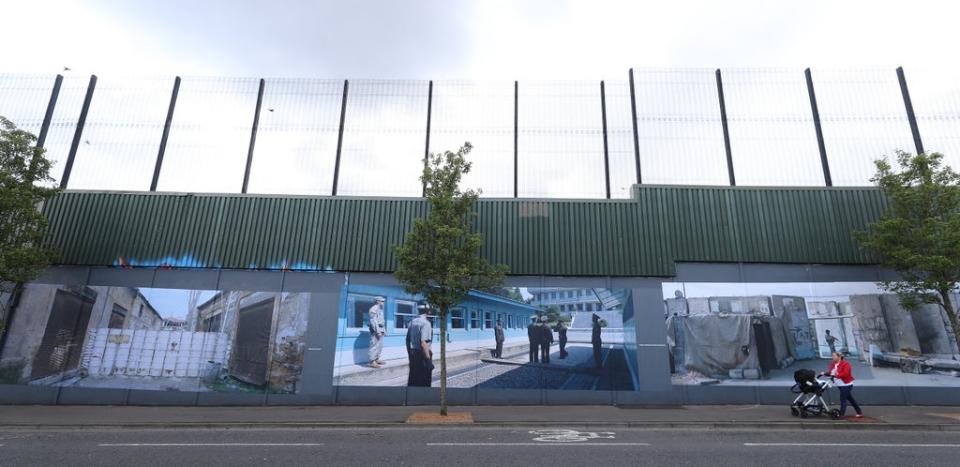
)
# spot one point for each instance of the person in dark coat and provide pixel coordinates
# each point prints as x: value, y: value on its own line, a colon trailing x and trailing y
x: 498, y: 336
x: 533, y: 334
x: 562, y: 338
x: 597, y: 342
x: 546, y: 338
x: 419, y: 337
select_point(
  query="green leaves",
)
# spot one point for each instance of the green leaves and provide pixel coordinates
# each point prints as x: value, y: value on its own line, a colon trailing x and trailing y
x: 440, y: 257
x: 24, y: 174
x: 919, y: 235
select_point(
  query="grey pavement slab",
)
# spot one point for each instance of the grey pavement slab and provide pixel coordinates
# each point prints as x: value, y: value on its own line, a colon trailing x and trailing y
x: 747, y: 415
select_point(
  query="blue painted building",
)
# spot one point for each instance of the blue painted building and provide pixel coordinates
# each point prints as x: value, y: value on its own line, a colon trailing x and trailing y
x: 469, y: 325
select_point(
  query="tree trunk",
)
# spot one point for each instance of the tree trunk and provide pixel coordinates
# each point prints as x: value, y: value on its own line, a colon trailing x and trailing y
x: 443, y: 361
x: 951, y: 315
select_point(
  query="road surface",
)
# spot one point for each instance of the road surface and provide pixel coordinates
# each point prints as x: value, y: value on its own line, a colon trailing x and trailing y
x: 468, y: 446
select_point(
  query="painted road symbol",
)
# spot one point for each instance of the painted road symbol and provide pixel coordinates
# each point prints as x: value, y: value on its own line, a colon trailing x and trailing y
x: 570, y: 436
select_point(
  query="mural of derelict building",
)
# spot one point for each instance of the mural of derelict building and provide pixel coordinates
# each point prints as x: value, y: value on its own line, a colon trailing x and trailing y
x: 198, y: 341
x: 267, y: 331
x: 53, y: 323
x: 737, y: 337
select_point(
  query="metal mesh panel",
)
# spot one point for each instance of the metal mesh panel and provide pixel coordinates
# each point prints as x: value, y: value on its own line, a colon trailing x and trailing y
x: 560, y: 140
x: 481, y: 113
x: 863, y: 119
x: 64, y: 122
x: 623, y: 165
x: 383, y: 138
x: 936, y: 103
x: 679, y: 127
x: 297, y: 137
x: 23, y: 99
x: 121, y: 136
x: 209, y: 135
x: 772, y: 135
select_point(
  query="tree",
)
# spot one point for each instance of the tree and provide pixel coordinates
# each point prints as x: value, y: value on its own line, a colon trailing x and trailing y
x: 24, y: 170
x: 513, y: 293
x: 919, y: 234
x: 440, y: 257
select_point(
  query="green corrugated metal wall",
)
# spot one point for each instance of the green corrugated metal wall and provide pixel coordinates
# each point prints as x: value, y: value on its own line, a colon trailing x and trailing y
x: 639, y: 237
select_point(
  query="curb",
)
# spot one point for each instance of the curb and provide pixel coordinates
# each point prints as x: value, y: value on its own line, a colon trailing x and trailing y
x: 482, y: 424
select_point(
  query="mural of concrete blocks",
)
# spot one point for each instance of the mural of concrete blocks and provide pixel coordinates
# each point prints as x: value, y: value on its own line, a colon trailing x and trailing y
x: 869, y: 320
x: 903, y: 333
x: 793, y: 312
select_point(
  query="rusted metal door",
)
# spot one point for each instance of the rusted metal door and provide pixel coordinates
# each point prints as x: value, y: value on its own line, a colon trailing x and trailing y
x: 66, y: 329
x: 249, y: 362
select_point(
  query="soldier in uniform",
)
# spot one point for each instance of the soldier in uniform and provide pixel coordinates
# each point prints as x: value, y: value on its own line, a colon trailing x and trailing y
x: 498, y: 336
x: 419, y: 337
x: 546, y: 338
x: 562, y: 335
x: 595, y: 340
x: 378, y: 329
x: 533, y: 335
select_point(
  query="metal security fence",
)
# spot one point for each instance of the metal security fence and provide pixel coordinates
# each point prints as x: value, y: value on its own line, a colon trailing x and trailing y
x: 549, y: 139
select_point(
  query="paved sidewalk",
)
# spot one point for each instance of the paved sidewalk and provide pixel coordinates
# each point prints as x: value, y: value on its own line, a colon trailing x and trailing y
x: 741, y: 416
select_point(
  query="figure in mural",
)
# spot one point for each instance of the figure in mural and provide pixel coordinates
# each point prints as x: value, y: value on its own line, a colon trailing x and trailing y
x: 831, y: 342
x: 533, y: 335
x: 378, y: 329
x: 562, y: 337
x: 596, y: 341
x: 498, y: 336
x: 419, y: 337
x: 546, y: 338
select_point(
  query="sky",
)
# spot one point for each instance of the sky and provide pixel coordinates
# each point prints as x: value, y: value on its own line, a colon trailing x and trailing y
x: 462, y: 39
x: 173, y: 303
x: 475, y: 50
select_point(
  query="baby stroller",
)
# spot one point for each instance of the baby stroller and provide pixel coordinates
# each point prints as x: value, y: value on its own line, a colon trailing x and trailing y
x: 810, y: 391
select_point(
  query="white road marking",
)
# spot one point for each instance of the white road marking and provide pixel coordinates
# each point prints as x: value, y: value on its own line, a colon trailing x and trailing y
x: 538, y: 444
x: 134, y: 445
x: 858, y: 445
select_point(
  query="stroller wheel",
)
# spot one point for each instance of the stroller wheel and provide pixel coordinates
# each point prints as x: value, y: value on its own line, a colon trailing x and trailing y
x: 835, y: 414
x: 794, y: 411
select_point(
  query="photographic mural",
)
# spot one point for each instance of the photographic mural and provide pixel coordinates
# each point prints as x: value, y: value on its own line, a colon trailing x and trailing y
x: 735, y: 333
x: 507, y: 338
x: 156, y: 339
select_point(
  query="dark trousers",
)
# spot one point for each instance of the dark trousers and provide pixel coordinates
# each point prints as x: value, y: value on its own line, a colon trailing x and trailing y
x: 845, y: 396
x: 545, y: 352
x: 498, y: 353
x: 597, y: 355
x: 421, y: 369
x: 534, y: 352
x: 563, y: 348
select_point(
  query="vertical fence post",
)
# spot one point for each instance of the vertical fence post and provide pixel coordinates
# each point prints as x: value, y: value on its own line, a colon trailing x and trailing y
x: 911, y: 116
x: 166, y: 134
x: 726, y: 130
x: 819, y: 129
x: 253, y: 137
x: 48, y: 116
x: 426, y: 148
x: 516, y: 114
x: 636, y: 136
x: 78, y: 132
x: 343, y: 115
x: 606, y: 149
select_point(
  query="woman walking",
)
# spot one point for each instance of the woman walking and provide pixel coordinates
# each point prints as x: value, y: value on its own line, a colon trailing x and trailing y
x: 843, y: 378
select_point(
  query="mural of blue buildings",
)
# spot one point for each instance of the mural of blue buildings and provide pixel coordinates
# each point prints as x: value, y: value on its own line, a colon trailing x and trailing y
x: 470, y: 325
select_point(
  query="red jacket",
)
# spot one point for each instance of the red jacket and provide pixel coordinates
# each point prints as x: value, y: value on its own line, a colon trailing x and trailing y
x: 843, y: 371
